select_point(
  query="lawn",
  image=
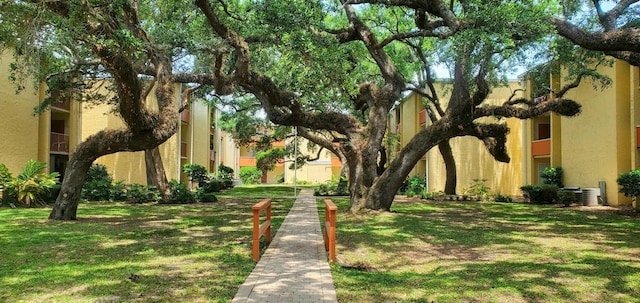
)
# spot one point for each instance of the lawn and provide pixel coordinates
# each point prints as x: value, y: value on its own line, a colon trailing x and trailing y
x: 487, y: 252
x: 118, y: 252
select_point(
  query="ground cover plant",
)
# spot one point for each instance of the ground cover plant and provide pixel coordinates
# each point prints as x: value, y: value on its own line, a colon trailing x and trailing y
x: 486, y: 252
x: 118, y: 252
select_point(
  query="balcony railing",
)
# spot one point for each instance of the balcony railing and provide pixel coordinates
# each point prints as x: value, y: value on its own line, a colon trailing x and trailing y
x: 66, y: 105
x: 422, y: 117
x: 541, y: 148
x: 183, y: 149
x: 59, y: 143
x: 185, y: 116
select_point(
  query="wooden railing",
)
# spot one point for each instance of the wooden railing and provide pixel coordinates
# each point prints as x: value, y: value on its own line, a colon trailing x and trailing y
x: 330, y: 228
x: 541, y: 147
x: 66, y: 105
x: 185, y: 116
x: 261, y: 229
x: 59, y: 143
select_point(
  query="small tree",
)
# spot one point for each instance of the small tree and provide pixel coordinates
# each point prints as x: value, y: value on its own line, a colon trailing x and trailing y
x: 553, y: 176
x: 196, y: 173
x: 250, y: 175
x: 225, y: 173
x: 630, y: 185
x: 5, y: 176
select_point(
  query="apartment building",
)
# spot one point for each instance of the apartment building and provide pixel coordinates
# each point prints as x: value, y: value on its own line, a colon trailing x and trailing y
x: 49, y: 137
x: 599, y: 144
x: 473, y: 161
x: 593, y: 148
x: 197, y: 141
x: 52, y: 136
x: 326, y: 167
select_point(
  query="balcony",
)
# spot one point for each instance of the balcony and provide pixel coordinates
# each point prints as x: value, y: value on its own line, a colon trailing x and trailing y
x: 422, y: 117
x: 541, y: 148
x: 59, y: 143
x: 183, y: 149
x: 185, y: 116
x: 66, y: 105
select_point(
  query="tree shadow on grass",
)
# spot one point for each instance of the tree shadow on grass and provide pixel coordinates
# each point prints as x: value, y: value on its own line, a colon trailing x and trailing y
x: 488, y: 252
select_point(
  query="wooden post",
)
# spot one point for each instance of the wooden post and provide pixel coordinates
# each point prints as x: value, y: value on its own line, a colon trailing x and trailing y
x: 330, y: 228
x: 261, y: 229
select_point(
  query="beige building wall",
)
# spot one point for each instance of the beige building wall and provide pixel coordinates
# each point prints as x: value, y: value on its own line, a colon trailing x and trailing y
x: 19, y: 136
x: 473, y: 161
x: 130, y: 166
x: 318, y: 171
x: 596, y: 144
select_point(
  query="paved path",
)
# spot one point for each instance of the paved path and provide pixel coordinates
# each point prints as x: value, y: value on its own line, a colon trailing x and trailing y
x: 294, y: 267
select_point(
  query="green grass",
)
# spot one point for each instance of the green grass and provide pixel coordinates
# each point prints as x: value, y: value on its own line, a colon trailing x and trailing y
x: 257, y: 190
x: 487, y: 252
x: 120, y: 252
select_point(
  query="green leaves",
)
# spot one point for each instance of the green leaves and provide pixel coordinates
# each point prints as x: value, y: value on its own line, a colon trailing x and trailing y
x: 31, y: 183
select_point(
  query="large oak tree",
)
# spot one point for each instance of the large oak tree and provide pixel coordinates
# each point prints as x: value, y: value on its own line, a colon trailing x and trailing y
x: 333, y: 69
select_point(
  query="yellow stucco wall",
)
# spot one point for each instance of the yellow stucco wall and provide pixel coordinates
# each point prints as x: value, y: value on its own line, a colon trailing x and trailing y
x: 473, y: 161
x: 596, y: 144
x: 130, y: 166
x: 319, y: 171
x: 20, y: 128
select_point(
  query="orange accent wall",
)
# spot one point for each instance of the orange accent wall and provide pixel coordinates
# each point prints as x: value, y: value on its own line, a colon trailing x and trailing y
x: 247, y: 161
x: 335, y: 162
x: 541, y: 147
x: 185, y: 116
x: 422, y: 117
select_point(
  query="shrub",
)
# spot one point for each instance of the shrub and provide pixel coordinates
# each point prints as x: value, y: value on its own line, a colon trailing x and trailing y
x: 333, y: 187
x: 630, y: 183
x: 478, y: 190
x: 566, y: 197
x: 540, y: 193
x: 225, y: 173
x: 502, y: 198
x: 416, y: 186
x: 32, y: 183
x: 552, y: 176
x: 5, y: 176
x: 213, y: 186
x: 179, y: 193
x: 5, y: 180
x: 196, y: 173
x: 250, y: 175
x: 52, y: 195
x: 119, y: 192
x: 138, y: 193
x: 203, y: 196
x: 97, y: 186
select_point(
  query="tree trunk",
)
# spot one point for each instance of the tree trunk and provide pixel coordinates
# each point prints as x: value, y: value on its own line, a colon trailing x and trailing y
x: 66, y: 205
x: 450, y: 167
x: 156, y: 174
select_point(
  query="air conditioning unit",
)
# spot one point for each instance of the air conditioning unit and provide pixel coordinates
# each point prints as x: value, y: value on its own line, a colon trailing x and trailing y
x: 590, y: 196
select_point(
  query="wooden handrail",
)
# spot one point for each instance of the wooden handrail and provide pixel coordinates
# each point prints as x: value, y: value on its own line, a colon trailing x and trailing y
x: 330, y: 228
x: 261, y: 229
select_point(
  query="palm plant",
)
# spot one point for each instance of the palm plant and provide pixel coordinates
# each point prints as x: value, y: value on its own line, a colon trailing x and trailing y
x: 32, y: 182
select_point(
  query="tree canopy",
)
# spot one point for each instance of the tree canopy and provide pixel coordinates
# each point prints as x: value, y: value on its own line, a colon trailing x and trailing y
x: 334, y: 69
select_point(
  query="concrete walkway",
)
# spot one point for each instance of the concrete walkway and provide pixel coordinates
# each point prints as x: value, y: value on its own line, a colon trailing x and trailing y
x: 294, y: 267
